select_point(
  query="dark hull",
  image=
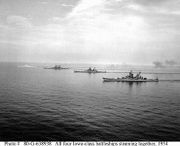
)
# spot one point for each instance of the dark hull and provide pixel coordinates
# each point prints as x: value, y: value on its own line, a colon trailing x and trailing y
x: 129, y: 80
x: 93, y: 72
x: 55, y: 68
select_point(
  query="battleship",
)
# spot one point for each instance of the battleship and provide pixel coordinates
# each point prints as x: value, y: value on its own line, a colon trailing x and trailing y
x: 131, y: 78
x: 90, y: 70
x: 56, y: 67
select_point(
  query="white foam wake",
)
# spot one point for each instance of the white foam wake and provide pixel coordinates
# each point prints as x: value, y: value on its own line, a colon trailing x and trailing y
x: 26, y: 66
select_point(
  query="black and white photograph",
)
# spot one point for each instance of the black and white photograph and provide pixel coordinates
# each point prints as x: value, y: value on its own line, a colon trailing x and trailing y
x: 90, y: 70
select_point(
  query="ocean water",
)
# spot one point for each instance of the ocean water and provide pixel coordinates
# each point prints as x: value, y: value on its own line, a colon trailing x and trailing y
x: 42, y: 104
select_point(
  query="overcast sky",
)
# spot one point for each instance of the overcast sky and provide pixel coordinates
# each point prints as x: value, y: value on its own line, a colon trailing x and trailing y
x: 101, y: 31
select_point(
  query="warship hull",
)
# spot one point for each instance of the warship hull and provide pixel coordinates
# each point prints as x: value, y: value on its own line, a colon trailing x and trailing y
x: 93, y: 72
x: 129, y: 80
x: 55, y: 68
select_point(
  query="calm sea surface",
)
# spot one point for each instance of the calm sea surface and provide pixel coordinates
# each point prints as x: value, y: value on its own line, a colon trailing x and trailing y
x: 42, y: 104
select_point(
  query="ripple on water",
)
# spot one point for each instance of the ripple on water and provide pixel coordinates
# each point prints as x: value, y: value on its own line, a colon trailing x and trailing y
x: 48, y: 105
